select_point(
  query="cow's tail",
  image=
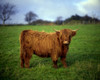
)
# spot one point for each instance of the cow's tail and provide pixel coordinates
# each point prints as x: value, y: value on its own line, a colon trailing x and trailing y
x: 22, y: 53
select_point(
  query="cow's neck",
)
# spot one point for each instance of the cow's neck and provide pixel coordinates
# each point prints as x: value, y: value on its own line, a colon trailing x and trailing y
x: 65, y: 48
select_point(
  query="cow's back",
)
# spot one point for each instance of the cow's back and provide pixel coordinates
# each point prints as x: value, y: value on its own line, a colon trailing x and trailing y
x: 42, y: 44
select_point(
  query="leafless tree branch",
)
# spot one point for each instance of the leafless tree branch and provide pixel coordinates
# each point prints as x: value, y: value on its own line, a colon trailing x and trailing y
x: 6, y: 11
x: 30, y: 16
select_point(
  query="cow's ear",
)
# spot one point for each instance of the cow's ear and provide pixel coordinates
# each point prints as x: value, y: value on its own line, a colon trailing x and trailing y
x: 58, y: 34
x: 74, y: 32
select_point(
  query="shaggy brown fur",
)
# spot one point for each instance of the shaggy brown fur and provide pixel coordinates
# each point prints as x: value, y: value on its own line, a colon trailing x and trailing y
x: 45, y: 45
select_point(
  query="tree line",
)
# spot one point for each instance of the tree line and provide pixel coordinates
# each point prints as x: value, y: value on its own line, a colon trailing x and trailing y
x: 7, y: 10
x: 72, y: 20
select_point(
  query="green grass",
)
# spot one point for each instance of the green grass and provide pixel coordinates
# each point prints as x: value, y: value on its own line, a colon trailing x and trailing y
x: 83, y: 58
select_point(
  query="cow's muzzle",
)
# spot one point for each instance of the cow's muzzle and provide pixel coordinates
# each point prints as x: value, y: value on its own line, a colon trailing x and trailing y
x: 65, y: 42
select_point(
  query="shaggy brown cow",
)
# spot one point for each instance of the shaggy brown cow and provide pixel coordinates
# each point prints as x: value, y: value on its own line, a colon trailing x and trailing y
x: 44, y: 44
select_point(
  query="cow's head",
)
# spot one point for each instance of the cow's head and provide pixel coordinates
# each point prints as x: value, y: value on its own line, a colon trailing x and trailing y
x: 66, y: 35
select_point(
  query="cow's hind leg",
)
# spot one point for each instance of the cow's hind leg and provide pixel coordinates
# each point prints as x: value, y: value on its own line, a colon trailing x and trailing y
x: 27, y: 58
x: 22, y: 58
x: 63, y: 60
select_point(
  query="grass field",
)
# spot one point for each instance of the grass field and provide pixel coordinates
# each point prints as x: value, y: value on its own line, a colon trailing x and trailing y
x: 83, y: 58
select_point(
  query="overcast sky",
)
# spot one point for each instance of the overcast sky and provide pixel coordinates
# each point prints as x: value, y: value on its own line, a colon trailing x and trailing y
x: 51, y: 9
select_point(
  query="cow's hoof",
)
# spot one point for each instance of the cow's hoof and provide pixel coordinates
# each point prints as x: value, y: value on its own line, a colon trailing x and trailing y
x: 55, y: 67
x: 65, y: 66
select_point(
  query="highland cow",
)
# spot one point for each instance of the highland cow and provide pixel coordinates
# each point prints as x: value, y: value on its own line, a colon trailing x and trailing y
x: 44, y: 44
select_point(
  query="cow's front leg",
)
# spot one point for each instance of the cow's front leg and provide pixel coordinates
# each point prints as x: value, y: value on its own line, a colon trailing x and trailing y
x: 63, y: 60
x: 55, y: 59
x: 55, y: 64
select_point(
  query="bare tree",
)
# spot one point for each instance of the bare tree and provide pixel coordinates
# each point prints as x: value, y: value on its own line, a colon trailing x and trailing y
x: 59, y: 20
x: 30, y: 16
x: 6, y: 11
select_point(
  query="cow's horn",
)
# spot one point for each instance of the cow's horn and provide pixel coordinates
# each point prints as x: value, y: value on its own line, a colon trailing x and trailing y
x: 75, y: 30
x: 55, y: 30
